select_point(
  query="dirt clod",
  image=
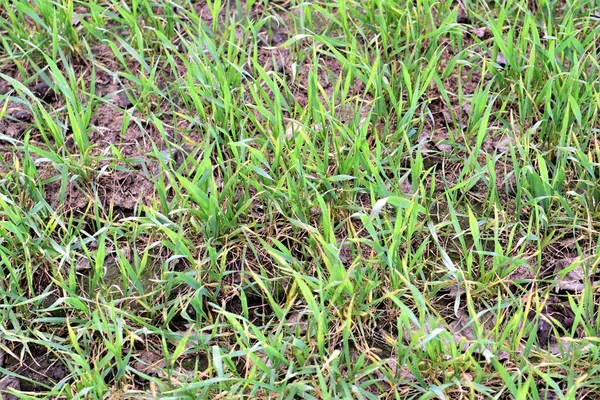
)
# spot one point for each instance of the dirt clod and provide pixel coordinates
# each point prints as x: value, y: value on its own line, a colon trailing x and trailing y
x: 124, y: 101
x: 21, y: 115
x: 556, y: 316
x: 462, y: 17
x: 39, y: 366
x: 279, y: 38
x: 6, y: 384
x: 44, y: 92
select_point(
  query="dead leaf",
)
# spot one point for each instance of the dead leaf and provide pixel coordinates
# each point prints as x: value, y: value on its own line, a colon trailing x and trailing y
x: 561, y: 345
x: 504, y: 144
x: 481, y: 32
x: 467, y: 108
x: 293, y: 128
x: 572, y: 280
x: 446, y: 148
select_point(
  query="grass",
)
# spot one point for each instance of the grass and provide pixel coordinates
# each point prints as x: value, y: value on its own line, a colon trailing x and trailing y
x: 284, y: 199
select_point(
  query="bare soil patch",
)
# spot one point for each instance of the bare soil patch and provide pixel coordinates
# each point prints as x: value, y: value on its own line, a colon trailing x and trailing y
x: 38, y: 369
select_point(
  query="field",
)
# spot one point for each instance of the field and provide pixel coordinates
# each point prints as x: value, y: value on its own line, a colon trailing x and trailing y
x: 353, y: 199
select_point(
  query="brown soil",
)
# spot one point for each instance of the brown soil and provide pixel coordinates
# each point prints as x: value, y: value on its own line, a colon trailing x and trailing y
x: 38, y: 369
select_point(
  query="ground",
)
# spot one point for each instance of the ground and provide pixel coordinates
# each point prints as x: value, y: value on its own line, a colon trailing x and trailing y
x: 284, y: 199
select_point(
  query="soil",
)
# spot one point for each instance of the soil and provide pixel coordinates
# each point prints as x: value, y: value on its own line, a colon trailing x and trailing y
x: 37, y: 369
